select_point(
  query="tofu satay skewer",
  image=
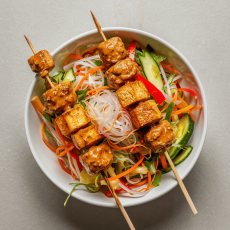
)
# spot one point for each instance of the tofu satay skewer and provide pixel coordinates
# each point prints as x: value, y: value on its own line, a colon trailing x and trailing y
x: 103, y: 174
x: 33, y: 50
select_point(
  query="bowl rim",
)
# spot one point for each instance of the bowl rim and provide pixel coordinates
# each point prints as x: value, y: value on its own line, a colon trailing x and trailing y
x: 201, y: 143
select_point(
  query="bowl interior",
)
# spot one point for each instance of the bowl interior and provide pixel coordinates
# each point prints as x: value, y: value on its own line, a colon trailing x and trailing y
x: 47, y: 159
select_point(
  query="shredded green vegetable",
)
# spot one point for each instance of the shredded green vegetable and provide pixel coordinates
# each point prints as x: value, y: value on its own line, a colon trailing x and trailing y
x: 88, y: 186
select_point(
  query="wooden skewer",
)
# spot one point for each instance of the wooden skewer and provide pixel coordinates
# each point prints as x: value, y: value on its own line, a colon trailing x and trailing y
x: 180, y: 182
x: 32, y: 48
x: 118, y: 202
x: 98, y: 26
x: 184, y: 190
x: 126, y: 216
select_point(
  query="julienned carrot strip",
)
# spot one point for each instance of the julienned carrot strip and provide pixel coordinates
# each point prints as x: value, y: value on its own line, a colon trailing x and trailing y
x: 189, y: 91
x: 166, y: 63
x: 78, y: 73
x: 63, y: 167
x: 122, y: 148
x: 140, y: 183
x: 80, y: 69
x: 38, y: 106
x: 71, y: 56
x: 182, y: 105
x: 170, y: 68
x: 99, y: 88
x: 184, y: 110
x: 63, y: 138
x: 149, y: 179
x: 196, y: 108
x: 63, y: 147
x: 127, y: 171
x: 92, y: 71
x: 163, y: 161
x: 44, y: 139
x: 73, y: 175
x: 64, y: 152
x: 164, y: 107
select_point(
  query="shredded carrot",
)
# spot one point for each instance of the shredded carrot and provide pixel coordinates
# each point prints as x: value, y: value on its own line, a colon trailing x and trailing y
x: 163, y: 161
x: 121, y: 148
x: 62, y: 147
x: 166, y: 63
x: 44, y: 139
x: 127, y: 171
x: 198, y: 107
x: 92, y: 71
x: 189, y: 91
x: 149, y: 179
x: 170, y: 68
x: 182, y: 105
x: 79, y: 73
x: 38, y: 106
x: 64, y: 152
x: 140, y: 183
x: 71, y: 56
x: 80, y: 69
x: 73, y: 175
x: 184, y: 110
x: 164, y: 107
x: 63, y: 138
x: 63, y: 167
x: 99, y: 88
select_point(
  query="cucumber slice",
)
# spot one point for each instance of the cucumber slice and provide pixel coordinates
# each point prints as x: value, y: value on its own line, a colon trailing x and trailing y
x: 182, y: 156
x: 69, y: 75
x: 182, y: 133
x: 57, y: 78
x: 151, y: 69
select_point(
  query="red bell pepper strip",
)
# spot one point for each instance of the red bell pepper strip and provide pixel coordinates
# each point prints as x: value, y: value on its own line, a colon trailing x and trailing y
x: 74, y: 154
x: 153, y: 90
x: 132, y: 49
x: 189, y: 91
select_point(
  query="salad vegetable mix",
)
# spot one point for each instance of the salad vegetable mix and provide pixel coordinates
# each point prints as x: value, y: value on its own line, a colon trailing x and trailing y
x: 117, y: 111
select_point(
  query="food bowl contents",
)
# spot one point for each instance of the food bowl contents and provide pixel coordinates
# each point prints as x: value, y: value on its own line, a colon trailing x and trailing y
x: 115, y: 111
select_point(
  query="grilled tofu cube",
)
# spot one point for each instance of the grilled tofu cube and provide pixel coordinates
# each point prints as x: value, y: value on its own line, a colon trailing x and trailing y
x: 144, y: 114
x: 72, y: 120
x: 122, y: 72
x: 132, y: 92
x: 60, y: 98
x: 41, y: 62
x: 97, y: 158
x: 160, y: 136
x: 112, y: 50
x: 87, y: 137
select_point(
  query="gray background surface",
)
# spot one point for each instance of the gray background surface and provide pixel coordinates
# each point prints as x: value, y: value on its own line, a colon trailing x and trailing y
x: 198, y: 29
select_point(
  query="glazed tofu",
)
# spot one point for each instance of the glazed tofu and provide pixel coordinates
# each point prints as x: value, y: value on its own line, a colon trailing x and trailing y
x: 97, y: 158
x: 145, y: 114
x: 132, y: 92
x: 41, y: 62
x: 72, y: 120
x: 60, y: 98
x: 160, y: 136
x: 122, y: 72
x: 111, y: 51
x: 87, y: 137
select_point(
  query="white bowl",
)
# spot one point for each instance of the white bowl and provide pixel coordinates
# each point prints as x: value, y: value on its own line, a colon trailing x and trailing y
x: 47, y: 160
